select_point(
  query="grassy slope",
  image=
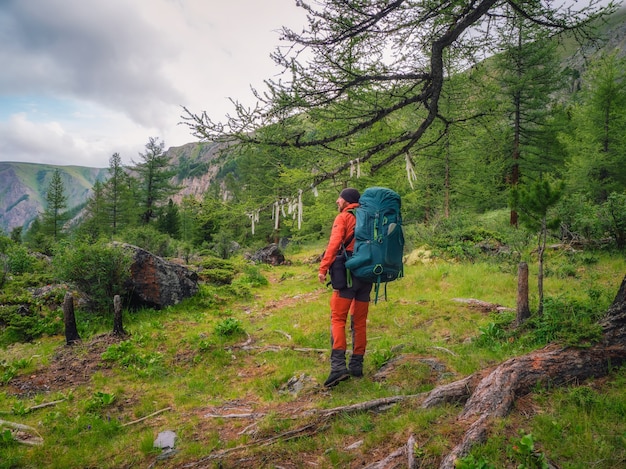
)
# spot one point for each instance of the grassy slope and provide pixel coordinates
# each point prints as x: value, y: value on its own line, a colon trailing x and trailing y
x: 176, y: 359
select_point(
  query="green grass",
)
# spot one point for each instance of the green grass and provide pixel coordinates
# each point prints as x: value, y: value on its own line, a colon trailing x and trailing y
x: 191, y: 359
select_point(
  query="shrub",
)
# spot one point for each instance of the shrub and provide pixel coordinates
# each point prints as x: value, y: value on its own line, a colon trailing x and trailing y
x: 570, y: 322
x: 217, y: 271
x: 19, y: 261
x: 253, y: 276
x: 99, y: 270
x: 229, y: 327
x: 218, y: 276
x: 613, y: 214
x: 22, y: 325
x: 150, y: 239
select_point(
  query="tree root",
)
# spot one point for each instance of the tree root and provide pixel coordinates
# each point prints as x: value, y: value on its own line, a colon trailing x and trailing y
x: 490, y: 394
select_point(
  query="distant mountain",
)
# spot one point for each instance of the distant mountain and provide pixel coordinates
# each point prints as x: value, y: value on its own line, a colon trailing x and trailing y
x: 23, y: 186
x: 23, y: 189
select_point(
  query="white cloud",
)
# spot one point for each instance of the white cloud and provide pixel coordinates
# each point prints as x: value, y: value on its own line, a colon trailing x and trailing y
x: 119, y: 71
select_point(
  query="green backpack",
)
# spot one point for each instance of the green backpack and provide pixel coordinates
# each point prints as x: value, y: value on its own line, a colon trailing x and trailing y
x: 378, y: 238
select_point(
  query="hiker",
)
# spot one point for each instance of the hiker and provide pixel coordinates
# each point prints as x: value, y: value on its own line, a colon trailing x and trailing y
x: 349, y: 295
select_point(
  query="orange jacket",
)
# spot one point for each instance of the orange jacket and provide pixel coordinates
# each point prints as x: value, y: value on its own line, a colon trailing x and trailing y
x: 343, y: 228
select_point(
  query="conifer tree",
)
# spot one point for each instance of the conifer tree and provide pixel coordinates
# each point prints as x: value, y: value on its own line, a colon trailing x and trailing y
x: 169, y: 221
x: 117, y: 194
x: 597, y: 141
x: 154, y: 179
x: 529, y: 73
x: 96, y: 222
x: 56, y: 203
x: 533, y: 204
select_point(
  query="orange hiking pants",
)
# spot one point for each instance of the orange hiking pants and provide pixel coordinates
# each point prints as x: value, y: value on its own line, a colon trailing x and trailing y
x: 354, y: 300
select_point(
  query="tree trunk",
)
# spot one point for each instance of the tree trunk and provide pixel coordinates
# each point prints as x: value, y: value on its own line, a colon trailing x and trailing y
x: 118, y: 328
x: 71, y: 332
x: 523, y: 310
x: 540, y: 252
x: 490, y: 393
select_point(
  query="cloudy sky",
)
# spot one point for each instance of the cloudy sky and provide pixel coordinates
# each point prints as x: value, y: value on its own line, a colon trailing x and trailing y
x: 83, y: 79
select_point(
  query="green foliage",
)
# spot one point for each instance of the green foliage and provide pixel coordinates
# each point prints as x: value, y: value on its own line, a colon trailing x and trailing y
x: 37, y: 239
x: 534, y: 202
x: 222, y: 243
x: 16, y: 234
x: 218, y: 276
x: 149, y: 238
x: 596, y: 141
x: 154, y: 179
x: 191, y: 167
x: 229, y: 327
x: 523, y: 451
x: 381, y: 357
x: 130, y: 354
x: 169, y: 220
x: 19, y: 260
x: 100, y: 270
x: 491, y: 334
x: 460, y: 237
x: 99, y: 401
x: 471, y: 462
x: 529, y: 73
x: 613, y: 213
x: 9, y: 370
x: 6, y: 438
x: 253, y: 276
x: 56, y: 201
x: 568, y: 321
x: 22, y: 324
x: 217, y: 271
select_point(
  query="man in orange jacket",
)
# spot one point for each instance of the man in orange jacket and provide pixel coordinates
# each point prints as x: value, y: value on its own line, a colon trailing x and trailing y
x: 353, y: 298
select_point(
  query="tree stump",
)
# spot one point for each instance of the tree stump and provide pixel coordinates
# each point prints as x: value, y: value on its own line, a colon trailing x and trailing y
x: 118, y: 328
x: 71, y: 332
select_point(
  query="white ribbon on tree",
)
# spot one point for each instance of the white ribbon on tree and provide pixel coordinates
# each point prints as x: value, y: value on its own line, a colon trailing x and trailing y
x: 294, y: 208
x: 276, y: 215
x: 355, y: 166
x: 410, y: 170
x: 300, y: 208
x: 254, y: 218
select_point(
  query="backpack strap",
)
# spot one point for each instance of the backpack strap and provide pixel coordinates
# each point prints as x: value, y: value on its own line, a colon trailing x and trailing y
x: 346, y: 243
x: 351, y: 237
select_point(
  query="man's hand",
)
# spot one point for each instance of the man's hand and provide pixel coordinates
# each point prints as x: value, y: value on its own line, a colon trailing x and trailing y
x: 322, y: 278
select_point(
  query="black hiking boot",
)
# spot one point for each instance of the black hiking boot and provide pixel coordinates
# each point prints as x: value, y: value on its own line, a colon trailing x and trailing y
x: 335, y: 378
x: 338, y: 370
x: 356, y: 366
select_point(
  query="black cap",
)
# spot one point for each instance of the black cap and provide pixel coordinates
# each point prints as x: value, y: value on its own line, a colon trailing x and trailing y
x: 350, y: 195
